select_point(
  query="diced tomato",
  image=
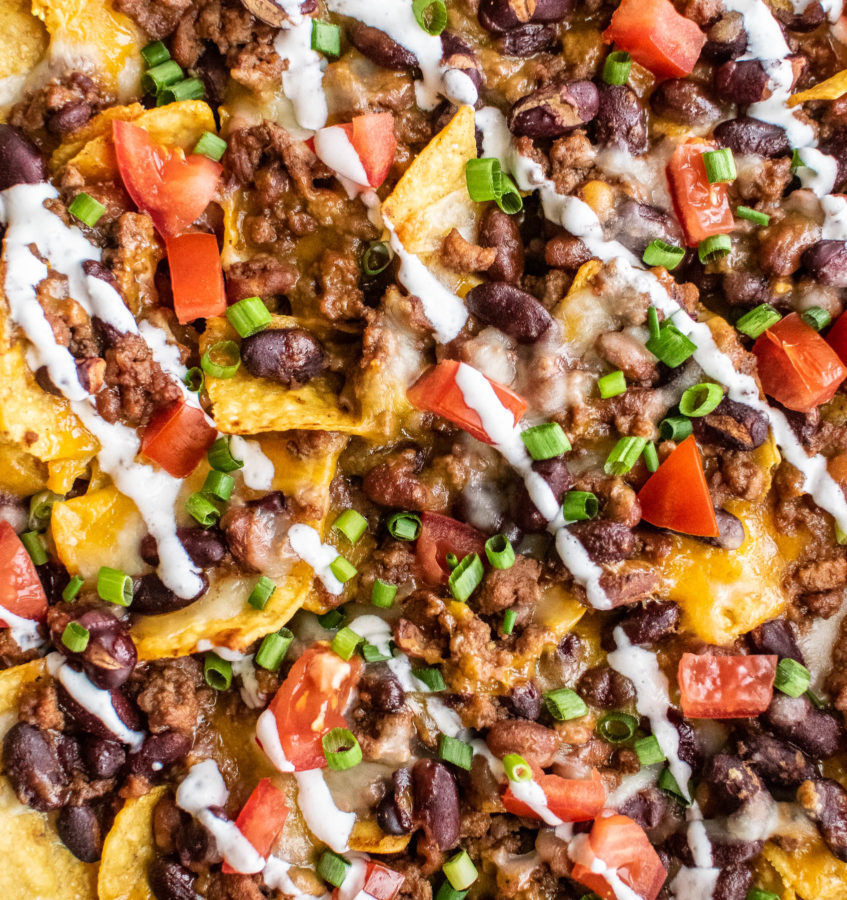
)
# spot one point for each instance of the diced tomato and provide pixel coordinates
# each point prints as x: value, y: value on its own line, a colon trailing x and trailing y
x: 310, y: 702
x: 676, y: 495
x: 725, y: 687
x: 622, y: 845
x: 702, y: 208
x: 197, y: 279
x: 797, y: 367
x: 172, y: 189
x: 837, y: 337
x: 571, y: 799
x: 21, y: 591
x: 261, y: 818
x: 177, y: 438
x: 436, y: 390
x: 439, y: 536
x: 383, y: 883
x: 656, y: 36
x: 374, y: 141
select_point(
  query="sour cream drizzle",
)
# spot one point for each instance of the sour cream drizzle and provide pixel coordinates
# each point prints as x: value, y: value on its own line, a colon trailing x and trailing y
x: 579, y: 850
x: 24, y: 631
x: 323, y: 818
x: 307, y: 544
x: 258, y: 470
x: 302, y: 81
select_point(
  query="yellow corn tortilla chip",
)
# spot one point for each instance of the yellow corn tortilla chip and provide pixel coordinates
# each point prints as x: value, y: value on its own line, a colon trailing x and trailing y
x: 62, y: 473
x: 831, y: 89
x: 22, y: 473
x: 35, y: 863
x: 368, y: 837
x: 95, y: 127
x: 27, y: 35
x: 809, y: 869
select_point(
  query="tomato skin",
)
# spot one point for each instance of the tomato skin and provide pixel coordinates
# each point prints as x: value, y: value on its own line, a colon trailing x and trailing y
x: 383, y: 883
x: 197, y: 279
x: 21, y: 591
x: 572, y: 800
x: 436, y: 390
x: 621, y: 844
x: 439, y: 536
x: 702, y: 208
x: 311, y: 701
x: 676, y: 495
x: 837, y: 337
x: 177, y: 438
x: 725, y: 687
x: 261, y: 818
x: 797, y: 367
x: 656, y: 36
x: 172, y: 189
x: 373, y: 139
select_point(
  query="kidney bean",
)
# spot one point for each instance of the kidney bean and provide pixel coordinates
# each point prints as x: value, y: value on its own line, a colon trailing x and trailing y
x: 649, y: 808
x: 605, y: 688
x: 743, y: 82
x: 89, y: 723
x: 159, y: 751
x: 778, y: 764
x: 811, y: 18
x: 727, y: 39
x: 554, y: 110
x: 525, y: 513
x: 435, y: 802
x: 731, y: 782
x: 563, y: 251
x: 20, y: 159
x: 79, y: 829
x: 527, y: 40
x: 733, y: 425
x: 826, y: 262
x: 536, y: 742
x: 289, y: 356
x: 34, y: 769
x: 102, y: 758
x: 684, y: 102
x: 385, y: 693
x: 152, y: 598
x: 213, y: 72
x: 748, y: 135
x: 605, y: 541
x: 637, y: 224
x: 69, y: 117
x: 196, y: 845
x: 205, y: 547
x: 825, y: 800
x: 499, y: 16
x: 776, y: 636
x: 643, y: 623
x: 620, y: 120
x: 524, y: 701
x: 171, y: 881
x: 731, y: 532
x: 501, y: 232
x: 733, y: 883
x: 110, y: 656
x: 394, y: 813
x: 513, y: 311
x: 796, y: 720
x: 379, y: 48
x: 746, y: 289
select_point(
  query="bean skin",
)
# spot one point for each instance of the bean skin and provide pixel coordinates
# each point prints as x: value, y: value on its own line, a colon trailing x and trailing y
x: 20, y: 159
x: 499, y: 16
x: 620, y: 120
x: 290, y: 356
x: 379, y: 48
x: 554, y: 110
x: 748, y: 135
x: 79, y: 829
x: 743, y: 82
x: 513, y: 311
x: 826, y: 262
x: 684, y: 102
x: 500, y: 231
x: 34, y: 769
x: 527, y: 40
x: 153, y: 598
x: 436, y: 802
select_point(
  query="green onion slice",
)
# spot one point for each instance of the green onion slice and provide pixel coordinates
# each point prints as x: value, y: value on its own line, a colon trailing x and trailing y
x: 792, y: 678
x: 758, y: 894
x: 376, y: 258
x: 651, y: 457
x: 352, y: 524
x: 648, y: 750
x: 714, y: 247
x: 720, y: 166
x: 431, y: 15
x: 700, y: 399
x: 432, y: 678
x: 509, y: 619
x: 155, y: 53
x: 752, y: 215
x: 564, y: 704
x: 217, y: 672
x: 758, y: 320
x: 616, y: 67
x: 221, y: 360
x: 219, y: 485
x: 383, y: 594
x: 579, y: 506
x: 404, y: 526
x: 75, y: 637
x: 210, y: 145
x: 220, y: 457
x: 332, y: 619
x: 326, y: 38
x: 675, y: 428
x: 452, y: 560
x: 517, y: 768
x: 454, y: 751
x: 669, y: 784
x: 500, y: 552
x: 114, y: 586
x: 653, y: 325
x: 249, y: 316
x: 161, y: 76
x: 188, y: 89
x: 545, y: 441
x: 624, y: 455
x: 342, y: 568
x: 481, y: 177
x: 194, y: 379
x: 333, y: 868
x: 671, y: 346
x: 817, y: 317
x: 373, y: 654
x: 201, y: 508
x: 86, y: 209
x: 273, y: 648
x: 508, y: 196
x: 447, y: 892
x: 466, y: 577
x: 612, y: 384
x: 658, y: 253
x: 262, y: 591
x: 41, y: 508
x: 345, y: 642
x: 460, y: 871
x: 617, y: 727
x: 73, y: 588
x: 341, y: 749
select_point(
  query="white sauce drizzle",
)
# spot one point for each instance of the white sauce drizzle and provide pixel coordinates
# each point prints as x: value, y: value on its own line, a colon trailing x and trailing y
x: 835, y: 218
x: 531, y: 793
x: 580, y: 851
x: 267, y: 734
x: 323, y: 818
x: 258, y: 470
x: 696, y: 882
x: 251, y: 693
x: 302, y: 81
x: 307, y: 544
x: 24, y: 631
x: 333, y: 147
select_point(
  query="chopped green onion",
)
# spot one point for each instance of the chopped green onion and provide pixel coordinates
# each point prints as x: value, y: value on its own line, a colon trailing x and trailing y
x: 545, y: 441
x: 217, y: 672
x: 651, y: 457
x: 653, y: 325
x: 481, y: 177
x: 466, y: 577
x: 815, y: 700
x: 75, y: 637
x: 452, y: 560
x: 617, y: 727
x: 757, y: 894
x: 612, y: 384
x: 262, y: 592
x: 448, y: 892
x: 155, y: 53
x: 352, y: 524
x: 341, y: 749
x: 326, y: 38
x: 431, y: 15
x: 454, y: 751
x: 114, y: 586
x: 188, y: 89
x: 372, y: 653
x: 700, y: 399
x: 333, y: 868
x: 564, y: 704
x: 752, y: 215
x: 221, y: 360
x: 342, y: 568
x: 579, y: 506
x: 161, y: 76
x: 273, y: 648
x: 624, y: 455
x: 816, y: 317
x: 517, y: 768
x: 509, y: 619
x: 202, y: 509
x: 220, y: 457
x: 508, y: 196
x: 249, y: 316
x: 345, y: 642
x: 73, y: 588
x: 194, y: 379
x: 432, y: 678
x: 210, y: 145
x: 86, y: 209
x: 720, y: 166
x: 658, y: 253
x: 376, y: 258
x: 404, y: 526
x: 671, y: 346
x: 675, y: 428
x: 460, y: 871
x: 648, y: 750
x: 792, y: 678
x: 714, y: 247
x: 616, y: 67
x: 500, y: 552
x: 758, y: 320
x: 41, y: 508
x: 669, y: 784
x: 219, y: 485
x: 797, y: 161
x: 332, y: 619
x: 383, y: 594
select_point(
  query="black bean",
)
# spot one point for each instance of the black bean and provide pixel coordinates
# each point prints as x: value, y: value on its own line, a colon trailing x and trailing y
x: 436, y: 802
x: 733, y: 425
x: 554, y: 110
x: 385, y: 693
x: 605, y: 541
x: 525, y: 513
x: 20, y: 159
x: 778, y: 764
x: 171, y: 881
x: 159, y: 751
x: 743, y: 82
x: 206, y: 547
x: 152, y: 598
x: 213, y: 72
x: 70, y: 117
x: 795, y: 719
x: 620, y: 121
x: 689, y: 747
x: 746, y: 289
x: 733, y: 883
x: 643, y: 623
x: 88, y: 723
x: 727, y: 39
x: 501, y: 232
x: 731, y: 532
x: 80, y: 831
x: 826, y: 262
x: 748, y: 135
x: 776, y: 636
x: 290, y: 356
x: 731, y: 781
x: 649, y: 808
x: 524, y: 701
x: 637, y: 224
x: 527, y: 40
x: 54, y: 579
x: 102, y: 758
x: 499, y: 16
x: 110, y: 656
x: 825, y: 800
x: 34, y: 768
x: 811, y: 18
x: 394, y: 813
x: 196, y: 845
x: 379, y: 48
x: 513, y: 311
x: 605, y: 687
x: 684, y: 102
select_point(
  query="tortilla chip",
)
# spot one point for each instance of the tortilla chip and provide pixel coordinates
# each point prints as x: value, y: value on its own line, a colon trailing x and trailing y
x: 368, y: 837
x: 23, y: 473
x: 128, y: 851
x: 831, y: 89
x: 809, y: 869
x: 21, y: 30
x: 62, y: 473
x: 95, y: 127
